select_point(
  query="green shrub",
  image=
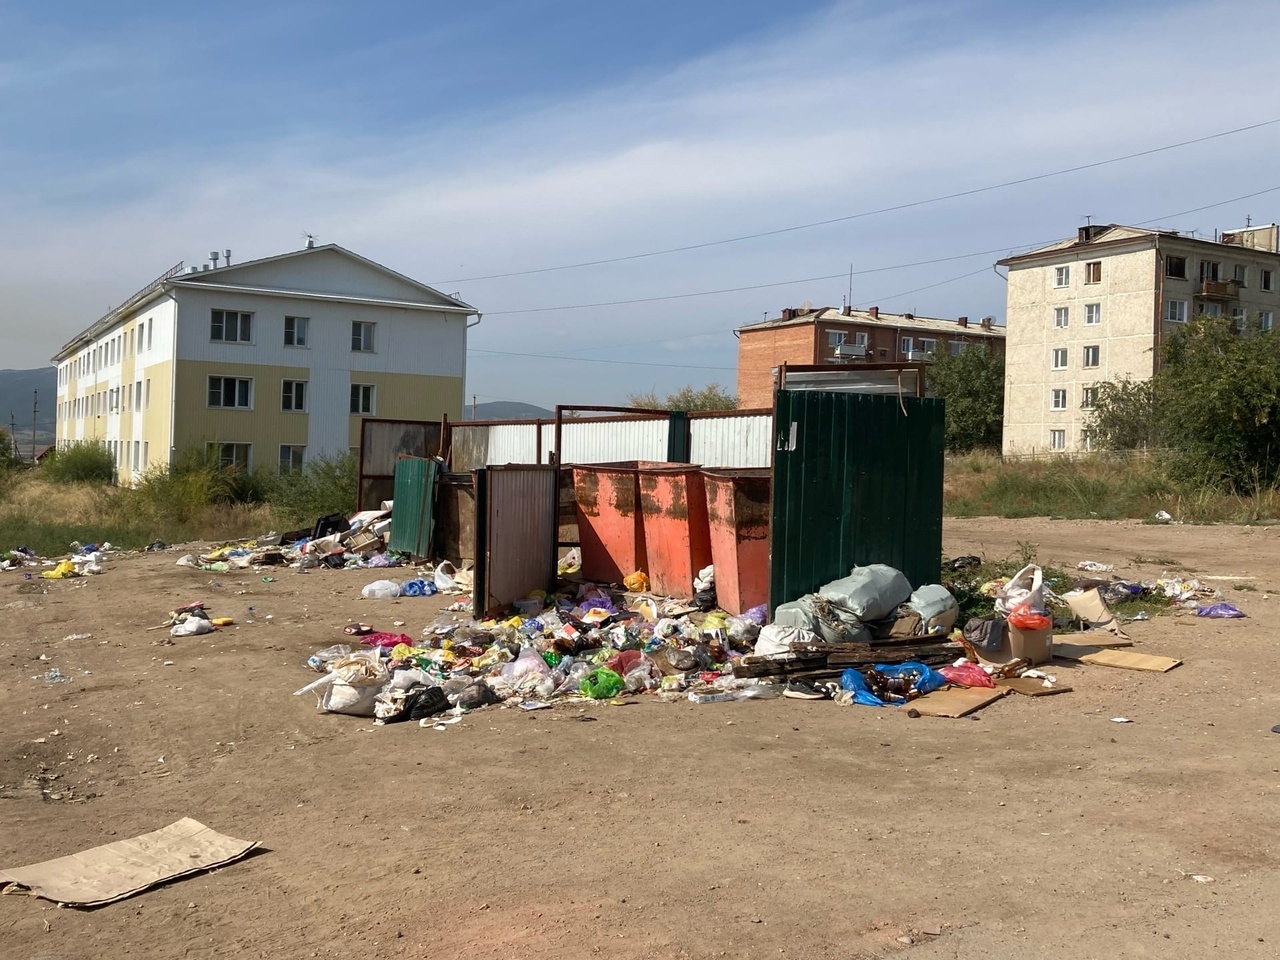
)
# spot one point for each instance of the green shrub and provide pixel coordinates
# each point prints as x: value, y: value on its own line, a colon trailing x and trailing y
x: 79, y: 463
x: 324, y: 485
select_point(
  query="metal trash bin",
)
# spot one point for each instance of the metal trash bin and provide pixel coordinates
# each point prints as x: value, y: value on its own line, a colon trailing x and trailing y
x: 610, y: 528
x: 673, y: 508
x: 739, y: 516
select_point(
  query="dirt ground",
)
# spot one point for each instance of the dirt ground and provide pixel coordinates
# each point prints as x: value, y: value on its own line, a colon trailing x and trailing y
x: 779, y: 828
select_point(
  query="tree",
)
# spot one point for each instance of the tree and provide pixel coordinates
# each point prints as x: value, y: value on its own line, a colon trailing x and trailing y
x: 972, y: 384
x: 711, y: 397
x: 8, y: 452
x: 1124, y: 415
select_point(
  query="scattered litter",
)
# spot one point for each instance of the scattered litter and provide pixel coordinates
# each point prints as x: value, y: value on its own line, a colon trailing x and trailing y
x: 1121, y: 720
x: 1093, y: 566
x: 1220, y: 611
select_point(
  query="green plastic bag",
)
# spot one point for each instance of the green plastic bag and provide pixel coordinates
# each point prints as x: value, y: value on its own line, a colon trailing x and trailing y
x: 601, y: 684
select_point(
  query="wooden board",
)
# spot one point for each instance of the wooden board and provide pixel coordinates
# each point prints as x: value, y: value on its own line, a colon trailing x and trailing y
x: 956, y: 701
x: 1122, y: 659
x: 1029, y: 687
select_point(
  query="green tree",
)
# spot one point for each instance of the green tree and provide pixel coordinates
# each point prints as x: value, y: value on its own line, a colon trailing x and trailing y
x: 972, y: 384
x: 1124, y: 415
x: 711, y: 397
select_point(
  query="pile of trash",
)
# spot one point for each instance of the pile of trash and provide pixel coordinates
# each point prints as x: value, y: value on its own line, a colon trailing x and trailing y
x: 83, y: 560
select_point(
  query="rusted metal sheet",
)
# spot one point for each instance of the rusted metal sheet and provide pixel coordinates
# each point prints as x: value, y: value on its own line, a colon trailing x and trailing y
x: 382, y: 443
x: 469, y: 446
x: 738, y: 519
x: 610, y: 528
x: 517, y: 514
x: 455, y: 532
x: 731, y: 441
x: 673, y: 508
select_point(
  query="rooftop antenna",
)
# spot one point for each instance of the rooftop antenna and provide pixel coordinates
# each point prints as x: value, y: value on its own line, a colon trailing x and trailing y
x: 1088, y: 219
x: 1248, y: 220
x: 310, y: 238
x: 849, y: 300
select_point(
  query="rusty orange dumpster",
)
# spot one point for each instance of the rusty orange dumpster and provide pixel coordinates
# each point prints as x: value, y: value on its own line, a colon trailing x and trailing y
x: 610, y: 529
x: 738, y: 514
x: 673, y: 505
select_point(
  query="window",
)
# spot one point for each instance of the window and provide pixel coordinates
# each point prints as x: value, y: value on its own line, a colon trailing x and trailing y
x: 1264, y: 320
x: 1088, y: 398
x: 1237, y: 316
x: 233, y: 392
x: 1093, y: 271
x: 146, y: 403
x: 835, y: 338
x: 1211, y: 309
x: 232, y: 454
x: 929, y: 346
x: 146, y: 453
x: 1060, y: 358
x: 1086, y: 439
x: 1265, y: 280
x: 293, y: 396
x: 361, y: 336
x: 884, y: 352
x: 1209, y: 270
x: 1057, y: 399
x: 230, y: 326
x: 860, y: 339
x: 291, y: 458
x: 1061, y: 316
x: 150, y: 326
x: 1057, y: 439
x: 1175, y: 311
x: 956, y: 347
x: 362, y: 398
x: 1092, y: 356
x: 1092, y: 314
x: 137, y: 455
x: 1241, y: 274
x: 905, y: 345
x: 1061, y: 276
x: 295, y: 331
x: 137, y: 397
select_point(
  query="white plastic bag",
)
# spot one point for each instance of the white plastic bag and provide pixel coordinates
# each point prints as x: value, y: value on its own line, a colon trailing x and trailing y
x: 381, y: 590
x: 777, y: 638
x: 529, y: 661
x: 1025, y: 586
x: 191, y: 627
x: 938, y: 609
x: 871, y: 593
x: 445, y: 576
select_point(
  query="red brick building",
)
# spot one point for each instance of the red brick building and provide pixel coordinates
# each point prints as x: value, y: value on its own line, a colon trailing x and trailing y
x: 831, y: 335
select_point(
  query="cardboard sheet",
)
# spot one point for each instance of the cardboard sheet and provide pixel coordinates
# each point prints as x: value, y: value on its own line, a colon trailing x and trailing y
x: 1091, y: 610
x: 1029, y: 687
x: 956, y: 701
x: 121, y: 869
x: 1123, y: 659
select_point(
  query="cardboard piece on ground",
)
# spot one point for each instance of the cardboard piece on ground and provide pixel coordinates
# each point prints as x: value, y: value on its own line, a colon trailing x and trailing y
x: 1123, y: 659
x: 1029, y: 687
x: 121, y: 869
x: 956, y: 701
x: 1100, y: 638
x: 1091, y: 610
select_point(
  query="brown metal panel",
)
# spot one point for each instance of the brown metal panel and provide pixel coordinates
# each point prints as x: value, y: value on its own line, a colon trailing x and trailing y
x: 382, y: 443
x: 522, y: 509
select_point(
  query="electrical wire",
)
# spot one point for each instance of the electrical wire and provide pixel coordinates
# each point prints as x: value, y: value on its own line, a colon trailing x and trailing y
x: 867, y: 213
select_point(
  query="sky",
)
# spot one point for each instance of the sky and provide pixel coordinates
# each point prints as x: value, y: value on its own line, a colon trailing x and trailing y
x: 453, y: 142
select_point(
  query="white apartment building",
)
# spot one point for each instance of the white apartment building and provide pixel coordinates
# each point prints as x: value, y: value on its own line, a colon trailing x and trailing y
x: 1097, y: 308
x: 270, y: 362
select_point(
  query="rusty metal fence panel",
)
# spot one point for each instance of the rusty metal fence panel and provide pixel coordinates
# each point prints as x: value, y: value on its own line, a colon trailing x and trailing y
x: 382, y: 443
x: 517, y: 521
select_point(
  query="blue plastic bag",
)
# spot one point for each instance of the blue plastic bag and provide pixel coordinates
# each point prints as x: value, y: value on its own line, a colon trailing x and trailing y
x: 927, y: 679
x: 1220, y: 611
x: 855, y: 683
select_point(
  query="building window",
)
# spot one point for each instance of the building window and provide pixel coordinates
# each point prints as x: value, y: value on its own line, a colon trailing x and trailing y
x: 1092, y: 356
x: 1093, y: 271
x: 905, y: 345
x: 234, y: 455
x: 361, y: 336
x: 1061, y: 276
x: 1061, y: 316
x: 234, y: 392
x: 956, y: 347
x: 295, y: 331
x: 293, y: 396
x: 835, y: 338
x: 884, y: 352
x: 146, y: 400
x: 1241, y: 274
x: 1088, y: 398
x: 1264, y: 320
x: 362, y: 399
x: 229, y: 326
x: 137, y: 397
x: 150, y: 326
x: 1210, y: 270
x: 1057, y: 439
x: 1086, y: 440
x: 1060, y: 358
x: 291, y: 458
x: 1211, y: 309
x: 1265, y: 280
x: 929, y: 347
x: 1237, y: 317
x: 1057, y: 399
x: 1092, y: 314
x: 859, y: 339
x: 1175, y: 311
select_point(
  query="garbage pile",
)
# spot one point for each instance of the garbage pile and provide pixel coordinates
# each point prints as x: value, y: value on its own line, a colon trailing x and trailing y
x: 83, y: 560
x: 335, y: 541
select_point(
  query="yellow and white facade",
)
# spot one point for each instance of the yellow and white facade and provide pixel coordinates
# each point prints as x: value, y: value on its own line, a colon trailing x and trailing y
x: 271, y: 362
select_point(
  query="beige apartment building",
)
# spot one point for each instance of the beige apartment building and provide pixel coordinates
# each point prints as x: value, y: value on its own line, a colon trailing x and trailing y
x: 1097, y: 307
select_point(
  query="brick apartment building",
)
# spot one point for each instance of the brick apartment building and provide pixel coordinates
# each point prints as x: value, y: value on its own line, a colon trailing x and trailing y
x: 806, y: 336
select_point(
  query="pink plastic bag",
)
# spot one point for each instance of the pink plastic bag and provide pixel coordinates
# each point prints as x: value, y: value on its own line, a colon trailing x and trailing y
x: 967, y: 675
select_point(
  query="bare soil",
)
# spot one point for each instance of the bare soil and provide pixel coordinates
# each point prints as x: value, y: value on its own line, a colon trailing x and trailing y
x: 783, y: 828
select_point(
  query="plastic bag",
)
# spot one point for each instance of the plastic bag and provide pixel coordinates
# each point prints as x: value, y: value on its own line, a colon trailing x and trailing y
x: 192, y: 627
x: 870, y: 593
x: 637, y: 582
x: 938, y: 609
x: 855, y: 683
x: 381, y: 590
x: 1026, y: 586
x: 706, y: 579
x: 742, y: 630
x: 777, y: 638
x: 570, y: 563
x: 1220, y: 611
x: 967, y: 675
x: 758, y: 614
x: 446, y: 576
x: 529, y: 661
x: 601, y: 684
x: 926, y: 679
x: 1025, y: 618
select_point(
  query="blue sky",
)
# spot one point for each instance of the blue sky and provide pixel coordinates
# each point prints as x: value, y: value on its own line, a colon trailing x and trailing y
x: 459, y: 140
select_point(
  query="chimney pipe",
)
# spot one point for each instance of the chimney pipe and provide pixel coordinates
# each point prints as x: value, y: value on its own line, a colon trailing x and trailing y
x: 963, y: 321
x: 213, y: 258
x: 875, y: 313
x: 226, y: 256
x: 788, y: 313
x: 847, y: 310
x: 986, y: 322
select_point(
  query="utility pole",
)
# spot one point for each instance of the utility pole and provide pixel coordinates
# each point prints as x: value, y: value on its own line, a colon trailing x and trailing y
x: 35, y: 409
x: 473, y: 406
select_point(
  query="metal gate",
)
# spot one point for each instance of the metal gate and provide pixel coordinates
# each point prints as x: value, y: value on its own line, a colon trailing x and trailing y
x: 413, y: 509
x: 517, y: 532
x: 857, y: 480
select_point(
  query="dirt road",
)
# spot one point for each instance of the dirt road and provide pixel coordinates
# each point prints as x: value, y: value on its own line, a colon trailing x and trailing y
x: 778, y: 828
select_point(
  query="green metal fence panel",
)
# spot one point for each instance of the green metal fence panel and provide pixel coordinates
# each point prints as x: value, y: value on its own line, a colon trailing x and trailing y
x: 857, y: 480
x: 413, y: 513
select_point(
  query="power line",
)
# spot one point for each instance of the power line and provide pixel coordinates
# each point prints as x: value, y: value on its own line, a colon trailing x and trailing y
x: 868, y: 213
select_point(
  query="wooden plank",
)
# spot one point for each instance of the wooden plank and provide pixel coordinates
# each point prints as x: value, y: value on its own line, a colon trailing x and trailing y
x: 1029, y: 687
x: 956, y: 701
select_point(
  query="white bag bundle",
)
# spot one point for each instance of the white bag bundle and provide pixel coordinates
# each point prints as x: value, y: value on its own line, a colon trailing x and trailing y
x: 777, y: 638
x: 871, y: 592
x: 1025, y: 586
x: 354, y: 684
x: 938, y: 609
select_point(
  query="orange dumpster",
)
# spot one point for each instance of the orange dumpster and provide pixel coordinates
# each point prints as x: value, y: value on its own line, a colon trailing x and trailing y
x: 673, y: 505
x: 739, y: 516
x: 610, y: 530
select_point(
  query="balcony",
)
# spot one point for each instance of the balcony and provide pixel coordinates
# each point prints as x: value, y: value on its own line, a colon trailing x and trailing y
x: 1219, y: 290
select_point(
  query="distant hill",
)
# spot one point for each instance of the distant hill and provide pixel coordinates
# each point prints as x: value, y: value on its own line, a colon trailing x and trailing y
x: 507, y: 410
x: 15, y: 398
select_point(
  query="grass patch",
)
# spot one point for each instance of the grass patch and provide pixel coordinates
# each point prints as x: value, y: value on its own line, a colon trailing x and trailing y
x: 1245, y: 587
